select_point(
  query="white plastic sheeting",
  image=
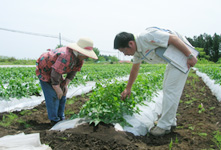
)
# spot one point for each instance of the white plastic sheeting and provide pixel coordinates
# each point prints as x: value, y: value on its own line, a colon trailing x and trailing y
x: 145, y: 120
x: 140, y: 122
x: 149, y: 114
x: 215, y: 88
x: 22, y: 142
x: 28, y: 103
x: 68, y: 124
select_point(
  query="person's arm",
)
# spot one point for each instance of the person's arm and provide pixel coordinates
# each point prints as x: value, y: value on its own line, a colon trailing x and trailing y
x: 178, y: 43
x: 64, y: 84
x: 55, y: 81
x: 133, y: 75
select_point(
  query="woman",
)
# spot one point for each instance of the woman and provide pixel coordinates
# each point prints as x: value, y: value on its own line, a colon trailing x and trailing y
x: 52, y: 65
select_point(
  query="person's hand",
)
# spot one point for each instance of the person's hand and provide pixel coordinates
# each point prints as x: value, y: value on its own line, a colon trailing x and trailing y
x: 125, y: 93
x: 191, y: 62
x: 65, y: 90
x: 64, y: 86
x: 58, y: 91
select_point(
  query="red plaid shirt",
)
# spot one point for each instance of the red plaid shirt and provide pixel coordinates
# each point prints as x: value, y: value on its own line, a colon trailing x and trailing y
x: 62, y: 60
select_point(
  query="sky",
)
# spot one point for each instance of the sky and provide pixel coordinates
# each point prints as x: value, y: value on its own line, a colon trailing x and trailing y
x: 99, y: 20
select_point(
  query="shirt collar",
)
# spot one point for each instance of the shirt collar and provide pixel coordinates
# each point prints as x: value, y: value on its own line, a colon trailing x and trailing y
x: 136, y: 38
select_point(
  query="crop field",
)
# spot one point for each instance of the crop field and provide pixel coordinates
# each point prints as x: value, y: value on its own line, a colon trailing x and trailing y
x: 198, y: 115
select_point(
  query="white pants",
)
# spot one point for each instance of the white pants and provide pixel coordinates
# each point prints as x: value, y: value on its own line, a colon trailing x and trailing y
x: 173, y: 84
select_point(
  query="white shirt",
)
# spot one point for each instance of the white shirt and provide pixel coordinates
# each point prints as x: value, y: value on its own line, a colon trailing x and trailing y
x: 147, y: 42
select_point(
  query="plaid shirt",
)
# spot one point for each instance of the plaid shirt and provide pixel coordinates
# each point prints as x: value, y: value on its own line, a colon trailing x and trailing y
x: 62, y: 60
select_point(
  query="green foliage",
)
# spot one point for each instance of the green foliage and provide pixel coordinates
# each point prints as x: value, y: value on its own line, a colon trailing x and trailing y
x: 8, y: 119
x: 4, y: 60
x: 211, y: 46
x: 18, y: 82
x: 212, y: 70
x: 217, y: 139
x: 171, y: 144
x: 59, y: 46
x: 105, y: 104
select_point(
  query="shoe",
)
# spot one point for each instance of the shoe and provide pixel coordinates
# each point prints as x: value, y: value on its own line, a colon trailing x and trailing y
x: 157, y: 131
x: 53, y: 122
x: 173, y: 128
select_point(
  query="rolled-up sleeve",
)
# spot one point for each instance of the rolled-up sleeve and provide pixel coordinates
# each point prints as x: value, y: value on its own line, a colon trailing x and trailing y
x: 55, y: 77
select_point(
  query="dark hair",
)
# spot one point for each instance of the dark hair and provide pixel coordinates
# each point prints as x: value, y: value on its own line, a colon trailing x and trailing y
x: 121, y: 40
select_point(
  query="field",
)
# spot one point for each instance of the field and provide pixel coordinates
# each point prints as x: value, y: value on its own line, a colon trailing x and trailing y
x: 198, y: 115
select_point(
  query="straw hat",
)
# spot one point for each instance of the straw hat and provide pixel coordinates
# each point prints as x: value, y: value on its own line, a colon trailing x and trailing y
x: 84, y: 46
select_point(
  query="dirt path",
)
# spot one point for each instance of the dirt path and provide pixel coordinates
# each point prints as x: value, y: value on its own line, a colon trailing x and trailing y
x: 194, y: 131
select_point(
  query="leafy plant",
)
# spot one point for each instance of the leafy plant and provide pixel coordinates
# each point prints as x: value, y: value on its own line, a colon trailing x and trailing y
x: 217, y: 139
x: 106, y: 106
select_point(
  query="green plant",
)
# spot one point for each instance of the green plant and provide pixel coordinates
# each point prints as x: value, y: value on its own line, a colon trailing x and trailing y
x: 211, y: 108
x: 202, y: 134
x: 8, y: 119
x: 176, y: 140
x: 106, y: 106
x: 201, y: 108
x: 171, y: 144
x: 217, y: 139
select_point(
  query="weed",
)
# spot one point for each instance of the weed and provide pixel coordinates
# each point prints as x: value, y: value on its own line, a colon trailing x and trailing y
x: 176, y: 140
x: 211, y: 108
x: 217, y: 139
x: 12, y: 118
x: 191, y: 127
x: 201, y: 108
x: 8, y: 119
x: 202, y: 134
x: 62, y: 138
x: 171, y: 144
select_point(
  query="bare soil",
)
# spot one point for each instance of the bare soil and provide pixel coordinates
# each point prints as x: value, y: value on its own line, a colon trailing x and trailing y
x: 195, y: 130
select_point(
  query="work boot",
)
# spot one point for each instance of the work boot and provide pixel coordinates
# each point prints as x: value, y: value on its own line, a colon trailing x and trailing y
x: 157, y: 131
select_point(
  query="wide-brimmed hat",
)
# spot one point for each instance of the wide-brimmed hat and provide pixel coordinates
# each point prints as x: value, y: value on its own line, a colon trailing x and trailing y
x: 84, y: 46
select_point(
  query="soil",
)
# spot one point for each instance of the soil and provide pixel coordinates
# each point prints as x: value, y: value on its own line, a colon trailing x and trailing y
x: 195, y: 130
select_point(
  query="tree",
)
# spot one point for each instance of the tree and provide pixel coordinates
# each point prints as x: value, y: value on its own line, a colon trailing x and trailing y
x: 211, y: 46
x: 97, y: 52
x: 215, y: 48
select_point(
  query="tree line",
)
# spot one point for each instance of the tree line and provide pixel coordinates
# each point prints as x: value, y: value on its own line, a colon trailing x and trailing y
x: 208, y: 46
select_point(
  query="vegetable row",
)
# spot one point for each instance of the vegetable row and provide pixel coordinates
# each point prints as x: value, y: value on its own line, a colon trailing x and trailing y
x: 22, y: 81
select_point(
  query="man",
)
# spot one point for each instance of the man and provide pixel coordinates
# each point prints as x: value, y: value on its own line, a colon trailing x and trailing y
x: 143, y: 47
x: 52, y: 65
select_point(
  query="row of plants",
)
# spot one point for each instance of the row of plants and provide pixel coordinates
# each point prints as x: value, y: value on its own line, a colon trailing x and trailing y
x: 212, y: 70
x: 18, y: 82
x: 105, y: 104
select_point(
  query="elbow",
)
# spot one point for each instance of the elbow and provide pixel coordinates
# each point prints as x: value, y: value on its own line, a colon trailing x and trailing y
x: 172, y: 39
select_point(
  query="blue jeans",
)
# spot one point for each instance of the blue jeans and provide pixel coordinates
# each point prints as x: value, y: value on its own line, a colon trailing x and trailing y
x: 55, y: 107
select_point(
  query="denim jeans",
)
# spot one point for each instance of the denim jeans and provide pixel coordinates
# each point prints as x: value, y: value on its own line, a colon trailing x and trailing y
x: 55, y: 107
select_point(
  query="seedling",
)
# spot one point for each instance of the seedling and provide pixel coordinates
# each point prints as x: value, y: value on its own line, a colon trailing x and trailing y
x: 202, y: 134
x: 171, y: 144
x: 176, y: 140
x: 201, y: 108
